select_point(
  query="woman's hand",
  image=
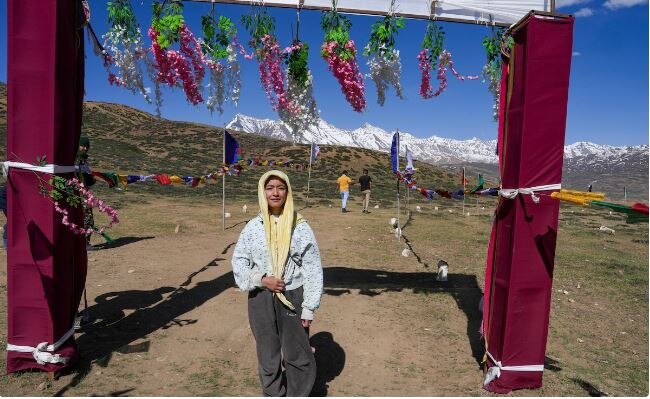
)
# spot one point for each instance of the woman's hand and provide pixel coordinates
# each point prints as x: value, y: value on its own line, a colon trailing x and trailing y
x: 305, y: 323
x: 273, y: 283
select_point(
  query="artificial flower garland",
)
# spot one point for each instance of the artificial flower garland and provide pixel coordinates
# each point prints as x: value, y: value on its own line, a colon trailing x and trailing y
x: 432, y: 46
x: 168, y: 27
x: 444, y: 61
x: 266, y: 50
x: 299, y: 91
x: 340, y: 53
x: 219, y: 46
x: 384, y: 62
x: 492, y: 68
x: 124, y: 49
x: 74, y: 193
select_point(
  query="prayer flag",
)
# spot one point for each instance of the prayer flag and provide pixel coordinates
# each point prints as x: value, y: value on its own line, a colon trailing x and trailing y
x: 409, y: 160
x: 394, y: 152
x: 315, y: 150
x: 232, y: 153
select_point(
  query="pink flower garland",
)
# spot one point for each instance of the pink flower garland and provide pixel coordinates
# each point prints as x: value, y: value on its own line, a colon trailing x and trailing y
x: 347, y: 73
x: 444, y: 60
x: 186, y: 65
x: 90, y: 201
x: 272, y: 76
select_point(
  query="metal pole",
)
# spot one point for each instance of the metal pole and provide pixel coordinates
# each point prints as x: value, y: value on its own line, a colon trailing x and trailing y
x: 463, y: 190
x: 399, y: 235
x: 223, y: 187
x: 311, y: 153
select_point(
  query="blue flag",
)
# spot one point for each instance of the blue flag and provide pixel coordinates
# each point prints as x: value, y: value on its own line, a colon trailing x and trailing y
x: 232, y: 151
x: 394, y: 152
x: 315, y: 150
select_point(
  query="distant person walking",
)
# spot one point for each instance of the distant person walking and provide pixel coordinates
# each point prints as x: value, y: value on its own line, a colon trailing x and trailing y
x: 343, y: 187
x: 365, y: 182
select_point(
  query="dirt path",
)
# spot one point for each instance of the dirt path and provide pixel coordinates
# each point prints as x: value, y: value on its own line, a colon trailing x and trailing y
x: 171, y: 322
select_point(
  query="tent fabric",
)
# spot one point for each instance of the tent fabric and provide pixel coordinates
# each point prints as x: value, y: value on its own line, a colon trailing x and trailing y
x: 477, y: 11
x: 522, y: 247
x: 46, y: 262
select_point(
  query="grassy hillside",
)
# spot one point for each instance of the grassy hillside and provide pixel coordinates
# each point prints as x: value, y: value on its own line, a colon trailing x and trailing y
x: 129, y: 141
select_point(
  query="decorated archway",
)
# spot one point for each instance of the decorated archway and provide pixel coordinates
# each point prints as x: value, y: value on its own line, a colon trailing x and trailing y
x: 47, y: 263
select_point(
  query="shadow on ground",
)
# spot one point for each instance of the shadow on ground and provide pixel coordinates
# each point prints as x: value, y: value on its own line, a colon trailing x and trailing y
x: 119, y: 242
x: 462, y: 287
x: 163, y: 307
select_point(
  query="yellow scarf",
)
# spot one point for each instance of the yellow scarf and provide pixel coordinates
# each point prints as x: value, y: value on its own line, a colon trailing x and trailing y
x: 278, y: 230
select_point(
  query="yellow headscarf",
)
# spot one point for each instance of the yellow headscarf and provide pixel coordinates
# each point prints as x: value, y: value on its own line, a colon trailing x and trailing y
x: 278, y: 236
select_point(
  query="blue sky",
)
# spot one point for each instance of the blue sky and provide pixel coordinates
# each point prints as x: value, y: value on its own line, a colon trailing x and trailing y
x: 608, y: 93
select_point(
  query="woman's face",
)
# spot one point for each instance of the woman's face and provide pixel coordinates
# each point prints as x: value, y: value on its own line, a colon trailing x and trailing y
x: 276, y: 194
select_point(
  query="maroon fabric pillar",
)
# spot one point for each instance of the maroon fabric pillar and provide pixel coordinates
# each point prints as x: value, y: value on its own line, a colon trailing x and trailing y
x: 524, y: 234
x: 46, y: 263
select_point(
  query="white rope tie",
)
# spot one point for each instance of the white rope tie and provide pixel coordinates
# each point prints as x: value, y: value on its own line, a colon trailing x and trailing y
x: 42, y: 351
x: 511, y: 193
x: 49, y: 168
x: 494, y: 372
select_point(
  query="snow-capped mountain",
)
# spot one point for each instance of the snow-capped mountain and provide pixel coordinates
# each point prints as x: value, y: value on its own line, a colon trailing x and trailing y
x: 433, y: 149
x: 436, y: 149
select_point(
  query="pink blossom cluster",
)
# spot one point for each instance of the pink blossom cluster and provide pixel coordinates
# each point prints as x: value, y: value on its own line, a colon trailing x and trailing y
x: 346, y: 72
x: 271, y: 75
x: 444, y: 60
x: 114, y: 80
x: 424, y: 63
x: 90, y: 201
x: 186, y: 64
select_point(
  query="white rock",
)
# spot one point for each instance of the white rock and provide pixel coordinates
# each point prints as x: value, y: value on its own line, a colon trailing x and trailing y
x: 244, y: 208
x: 178, y: 227
x: 443, y: 269
x: 606, y: 230
x: 482, y: 208
x: 227, y: 214
x: 435, y: 208
x: 130, y: 271
x: 393, y: 222
x: 417, y: 208
x: 329, y: 206
x: 467, y: 214
x: 451, y: 211
x: 377, y: 206
x: 405, y: 252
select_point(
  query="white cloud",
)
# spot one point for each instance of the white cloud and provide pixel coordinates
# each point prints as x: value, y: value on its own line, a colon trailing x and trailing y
x: 576, y: 54
x: 616, y: 4
x: 584, y: 12
x: 567, y: 3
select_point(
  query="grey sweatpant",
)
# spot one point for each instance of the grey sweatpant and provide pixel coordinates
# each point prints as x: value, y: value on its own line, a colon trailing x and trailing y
x: 280, y: 338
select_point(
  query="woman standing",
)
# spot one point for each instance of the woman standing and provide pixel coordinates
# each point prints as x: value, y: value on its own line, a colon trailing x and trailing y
x: 277, y: 261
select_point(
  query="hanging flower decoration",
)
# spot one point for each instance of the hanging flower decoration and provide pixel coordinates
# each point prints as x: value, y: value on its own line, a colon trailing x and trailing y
x: 340, y: 53
x: 186, y: 65
x: 219, y: 45
x: 492, y: 68
x: 432, y: 46
x: 384, y: 62
x: 73, y: 193
x: 124, y: 50
x: 261, y: 27
x: 299, y: 91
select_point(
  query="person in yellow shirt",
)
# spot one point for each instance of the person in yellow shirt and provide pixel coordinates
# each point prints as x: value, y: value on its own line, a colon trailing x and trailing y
x: 343, y: 184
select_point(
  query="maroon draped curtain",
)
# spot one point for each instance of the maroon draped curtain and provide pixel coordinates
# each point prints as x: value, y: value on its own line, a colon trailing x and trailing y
x: 521, y: 255
x: 46, y: 263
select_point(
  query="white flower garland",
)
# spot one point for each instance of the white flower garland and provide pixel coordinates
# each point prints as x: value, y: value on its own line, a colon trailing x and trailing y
x: 225, y: 81
x: 124, y: 53
x: 385, y: 71
x: 305, y: 113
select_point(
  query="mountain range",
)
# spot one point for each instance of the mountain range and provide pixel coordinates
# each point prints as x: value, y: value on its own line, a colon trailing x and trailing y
x: 612, y: 168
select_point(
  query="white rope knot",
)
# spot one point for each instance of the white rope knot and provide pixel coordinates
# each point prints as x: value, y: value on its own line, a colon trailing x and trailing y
x: 511, y: 193
x: 42, y: 351
x: 494, y: 372
x: 49, y: 168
